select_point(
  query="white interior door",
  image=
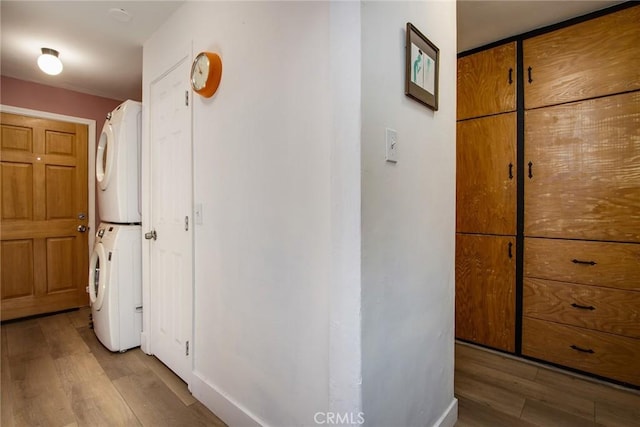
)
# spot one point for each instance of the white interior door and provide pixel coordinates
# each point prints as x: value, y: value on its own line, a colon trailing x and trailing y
x: 171, y: 254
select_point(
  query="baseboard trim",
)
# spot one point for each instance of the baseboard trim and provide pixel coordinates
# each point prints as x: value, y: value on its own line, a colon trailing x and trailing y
x: 223, y: 406
x: 450, y: 416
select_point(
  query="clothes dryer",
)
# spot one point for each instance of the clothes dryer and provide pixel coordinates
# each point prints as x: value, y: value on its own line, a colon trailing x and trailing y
x: 118, y: 165
x: 115, y: 286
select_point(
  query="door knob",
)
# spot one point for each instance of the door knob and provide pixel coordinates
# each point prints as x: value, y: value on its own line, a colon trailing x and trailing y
x: 82, y: 228
x: 151, y: 235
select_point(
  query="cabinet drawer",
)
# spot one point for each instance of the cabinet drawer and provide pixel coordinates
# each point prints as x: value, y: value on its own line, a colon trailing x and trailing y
x: 613, y: 265
x: 592, y: 307
x: 603, y: 354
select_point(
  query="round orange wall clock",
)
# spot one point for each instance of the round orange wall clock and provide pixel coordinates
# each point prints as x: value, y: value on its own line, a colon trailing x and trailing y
x: 206, y: 73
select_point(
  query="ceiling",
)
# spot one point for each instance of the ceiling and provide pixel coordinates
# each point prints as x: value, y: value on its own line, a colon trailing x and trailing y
x: 103, y: 56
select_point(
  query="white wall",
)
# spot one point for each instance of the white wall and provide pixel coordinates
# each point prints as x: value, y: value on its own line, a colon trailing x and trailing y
x: 306, y: 231
x: 408, y: 222
x: 276, y: 164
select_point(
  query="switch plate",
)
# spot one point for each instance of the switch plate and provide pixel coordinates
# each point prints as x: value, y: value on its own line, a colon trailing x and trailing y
x: 391, y: 137
x: 197, y: 213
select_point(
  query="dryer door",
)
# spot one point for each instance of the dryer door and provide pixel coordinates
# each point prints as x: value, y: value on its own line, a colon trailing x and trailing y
x: 98, y: 276
x: 105, y: 156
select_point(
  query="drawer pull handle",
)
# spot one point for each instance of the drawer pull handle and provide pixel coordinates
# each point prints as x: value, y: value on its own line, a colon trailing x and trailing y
x: 575, y: 347
x: 530, y: 170
x: 529, y: 73
x: 577, y: 261
x: 510, y: 75
x: 510, y: 170
x: 510, y: 250
x: 583, y: 307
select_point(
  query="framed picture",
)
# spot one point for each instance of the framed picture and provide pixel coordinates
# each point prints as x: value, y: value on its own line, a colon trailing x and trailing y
x: 422, y: 63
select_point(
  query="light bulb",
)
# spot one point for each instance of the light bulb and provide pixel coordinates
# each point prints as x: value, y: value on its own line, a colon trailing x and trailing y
x: 49, y: 61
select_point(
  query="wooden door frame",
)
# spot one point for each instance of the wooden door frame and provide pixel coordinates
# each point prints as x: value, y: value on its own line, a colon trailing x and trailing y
x: 91, y: 152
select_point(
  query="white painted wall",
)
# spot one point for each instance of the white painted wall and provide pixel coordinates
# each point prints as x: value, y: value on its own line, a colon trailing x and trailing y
x: 408, y: 223
x: 306, y: 231
x: 277, y: 171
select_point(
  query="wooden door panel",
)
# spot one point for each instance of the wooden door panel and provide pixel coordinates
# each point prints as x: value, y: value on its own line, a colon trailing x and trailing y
x: 60, y: 203
x: 594, y: 58
x: 44, y: 188
x: 486, y: 175
x: 60, y: 265
x: 16, y: 191
x: 485, y: 290
x: 487, y: 82
x: 17, y: 282
x: 585, y: 167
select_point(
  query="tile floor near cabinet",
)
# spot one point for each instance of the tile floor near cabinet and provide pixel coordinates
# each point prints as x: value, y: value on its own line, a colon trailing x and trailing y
x: 494, y: 389
x: 56, y: 373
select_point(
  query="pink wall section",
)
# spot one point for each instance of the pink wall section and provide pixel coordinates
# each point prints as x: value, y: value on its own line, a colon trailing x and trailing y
x: 35, y: 96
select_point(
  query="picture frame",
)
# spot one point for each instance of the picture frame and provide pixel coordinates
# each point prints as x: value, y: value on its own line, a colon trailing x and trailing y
x: 422, y: 68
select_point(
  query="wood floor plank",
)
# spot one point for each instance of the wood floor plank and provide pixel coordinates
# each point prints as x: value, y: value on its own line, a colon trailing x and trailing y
x: 153, y: 403
x: 610, y: 414
x: 38, y: 395
x: 496, y: 360
x: 573, y: 403
x: 168, y: 377
x: 79, y: 318
x: 25, y: 339
x: 495, y: 397
x: 61, y: 336
x: 115, y: 365
x: 541, y: 414
x: 475, y: 414
x: 204, y: 414
x: 6, y: 406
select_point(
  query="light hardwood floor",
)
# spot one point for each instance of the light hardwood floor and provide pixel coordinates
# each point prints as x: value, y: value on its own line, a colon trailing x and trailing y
x: 494, y: 389
x: 56, y: 373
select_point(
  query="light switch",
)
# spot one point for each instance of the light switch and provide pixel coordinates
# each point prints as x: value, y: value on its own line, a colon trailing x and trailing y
x: 392, y: 145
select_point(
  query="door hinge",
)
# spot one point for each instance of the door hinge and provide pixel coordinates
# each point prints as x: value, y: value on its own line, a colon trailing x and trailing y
x: 186, y: 348
x: 186, y: 98
x: 186, y: 223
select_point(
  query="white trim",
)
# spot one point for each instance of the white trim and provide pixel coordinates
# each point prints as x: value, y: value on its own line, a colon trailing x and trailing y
x: 91, y: 149
x: 450, y: 416
x: 229, y: 411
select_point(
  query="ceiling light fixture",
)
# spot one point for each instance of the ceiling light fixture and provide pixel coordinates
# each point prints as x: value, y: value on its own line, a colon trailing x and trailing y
x: 49, y: 61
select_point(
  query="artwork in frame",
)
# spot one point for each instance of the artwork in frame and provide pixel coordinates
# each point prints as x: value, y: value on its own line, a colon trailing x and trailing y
x: 422, y: 64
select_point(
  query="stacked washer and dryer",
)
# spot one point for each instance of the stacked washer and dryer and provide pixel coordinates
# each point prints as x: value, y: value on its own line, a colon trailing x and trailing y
x: 115, y: 268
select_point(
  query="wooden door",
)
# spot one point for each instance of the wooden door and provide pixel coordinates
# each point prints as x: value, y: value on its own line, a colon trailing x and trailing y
x: 594, y: 58
x: 487, y: 82
x: 485, y: 290
x: 584, y: 178
x: 43, y: 190
x: 171, y: 260
x: 486, y: 175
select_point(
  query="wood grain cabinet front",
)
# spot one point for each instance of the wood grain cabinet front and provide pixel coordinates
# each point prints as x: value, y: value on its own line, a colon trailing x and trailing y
x: 583, y: 170
x: 485, y: 290
x: 600, y: 353
x: 487, y: 82
x: 594, y: 58
x: 486, y: 175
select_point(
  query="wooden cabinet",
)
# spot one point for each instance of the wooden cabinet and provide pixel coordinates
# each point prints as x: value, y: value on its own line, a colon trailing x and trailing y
x: 583, y: 177
x: 487, y: 82
x: 587, y: 60
x: 485, y: 290
x: 486, y: 171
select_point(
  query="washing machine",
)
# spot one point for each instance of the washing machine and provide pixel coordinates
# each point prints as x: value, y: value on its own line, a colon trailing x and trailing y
x: 115, y: 286
x: 118, y: 165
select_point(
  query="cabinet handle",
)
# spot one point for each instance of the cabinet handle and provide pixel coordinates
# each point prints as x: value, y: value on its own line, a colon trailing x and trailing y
x: 583, y: 307
x: 530, y: 170
x: 577, y: 261
x: 529, y: 73
x: 510, y: 170
x: 510, y: 250
x: 510, y: 75
x: 575, y: 347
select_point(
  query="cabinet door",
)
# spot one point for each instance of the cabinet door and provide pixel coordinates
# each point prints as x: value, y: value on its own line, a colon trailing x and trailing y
x: 487, y: 82
x: 594, y: 58
x: 485, y: 290
x: 486, y: 175
x: 583, y: 180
